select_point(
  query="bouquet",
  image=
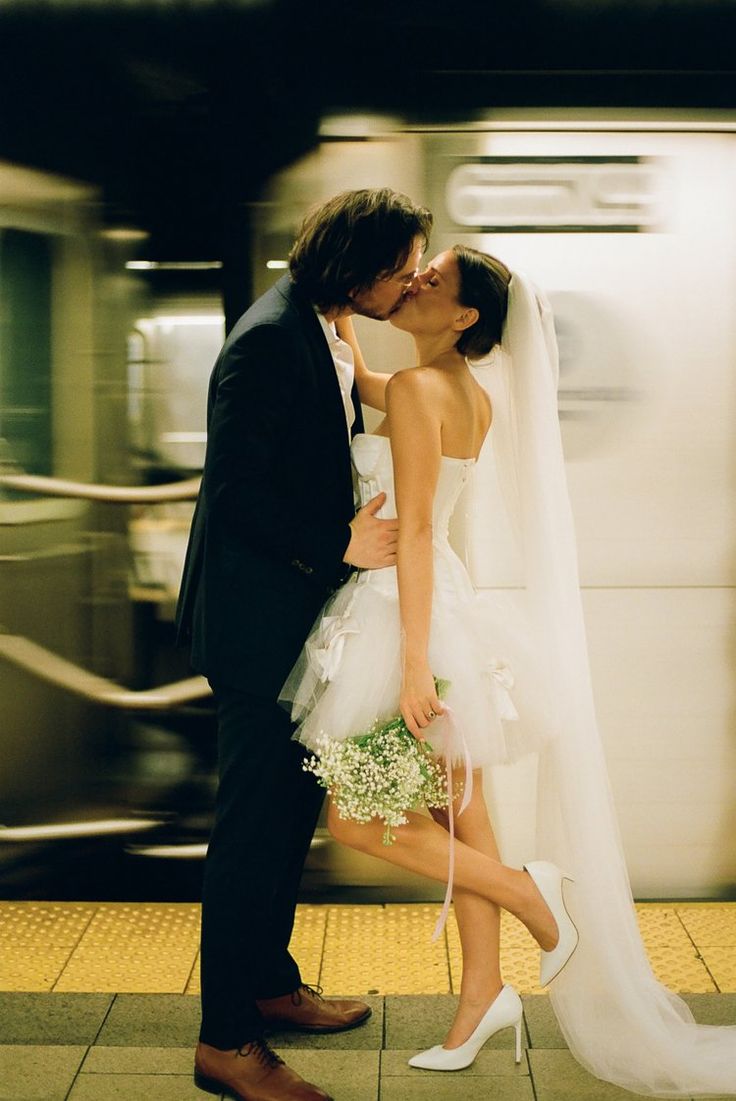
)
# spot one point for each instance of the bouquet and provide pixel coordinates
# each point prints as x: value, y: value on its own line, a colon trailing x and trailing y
x: 381, y: 773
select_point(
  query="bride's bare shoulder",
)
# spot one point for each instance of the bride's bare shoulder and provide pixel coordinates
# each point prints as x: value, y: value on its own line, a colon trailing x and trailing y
x: 414, y: 381
x: 412, y: 396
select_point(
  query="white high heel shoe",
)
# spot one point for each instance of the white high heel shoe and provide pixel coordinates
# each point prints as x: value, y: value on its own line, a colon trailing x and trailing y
x: 503, y: 1012
x: 549, y: 880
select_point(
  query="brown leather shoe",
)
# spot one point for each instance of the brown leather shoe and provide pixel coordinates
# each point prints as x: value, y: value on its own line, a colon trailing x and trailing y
x: 251, y: 1073
x: 305, y: 1010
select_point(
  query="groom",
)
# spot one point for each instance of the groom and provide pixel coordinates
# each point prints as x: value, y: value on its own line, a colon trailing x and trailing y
x: 274, y: 532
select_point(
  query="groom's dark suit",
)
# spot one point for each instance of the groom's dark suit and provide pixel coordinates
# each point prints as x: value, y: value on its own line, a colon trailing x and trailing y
x: 268, y: 536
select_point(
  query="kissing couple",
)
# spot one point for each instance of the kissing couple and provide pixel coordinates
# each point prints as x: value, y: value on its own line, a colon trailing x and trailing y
x: 311, y: 620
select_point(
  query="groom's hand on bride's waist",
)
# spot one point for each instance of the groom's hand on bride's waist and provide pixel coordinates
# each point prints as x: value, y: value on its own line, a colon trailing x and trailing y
x: 373, y: 542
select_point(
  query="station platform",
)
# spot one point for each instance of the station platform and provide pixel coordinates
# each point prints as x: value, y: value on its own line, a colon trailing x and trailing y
x: 98, y: 1000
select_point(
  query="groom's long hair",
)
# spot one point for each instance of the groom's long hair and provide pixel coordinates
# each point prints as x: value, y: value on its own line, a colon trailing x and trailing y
x: 352, y: 240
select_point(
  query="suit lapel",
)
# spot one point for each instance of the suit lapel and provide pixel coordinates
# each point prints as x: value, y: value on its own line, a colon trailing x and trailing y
x: 312, y: 330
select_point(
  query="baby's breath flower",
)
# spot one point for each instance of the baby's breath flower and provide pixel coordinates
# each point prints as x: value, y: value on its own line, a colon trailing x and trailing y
x: 380, y: 774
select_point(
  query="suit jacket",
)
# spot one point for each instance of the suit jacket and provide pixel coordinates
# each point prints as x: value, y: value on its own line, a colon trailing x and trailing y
x: 271, y: 523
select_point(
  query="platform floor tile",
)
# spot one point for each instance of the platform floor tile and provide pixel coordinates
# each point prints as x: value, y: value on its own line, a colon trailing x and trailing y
x: 56, y: 924
x: 133, y: 967
x: 139, y: 947
x: 712, y: 1011
x: 681, y: 970
x: 558, y: 1077
x: 541, y: 1023
x: 135, y: 1087
x: 194, y: 982
x: 52, y: 1018
x: 347, y: 1075
x: 662, y: 926
x: 711, y: 925
x: 456, y: 1088
x: 151, y: 1020
x: 33, y: 1073
x: 140, y: 1048
x: 384, y: 950
x: 138, y: 1060
x: 721, y: 964
x: 33, y: 967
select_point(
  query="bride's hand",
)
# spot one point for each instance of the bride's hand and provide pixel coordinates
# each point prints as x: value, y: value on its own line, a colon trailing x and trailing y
x: 419, y: 703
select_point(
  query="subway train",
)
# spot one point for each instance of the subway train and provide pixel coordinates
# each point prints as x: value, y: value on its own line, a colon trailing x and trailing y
x: 628, y: 221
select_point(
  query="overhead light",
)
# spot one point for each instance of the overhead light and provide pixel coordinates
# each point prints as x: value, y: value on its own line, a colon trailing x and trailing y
x: 184, y: 319
x: 124, y: 233
x: 170, y: 852
x: 358, y: 127
x: 277, y: 265
x: 60, y: 831
x: 173, y: 265
x: 183, y: 437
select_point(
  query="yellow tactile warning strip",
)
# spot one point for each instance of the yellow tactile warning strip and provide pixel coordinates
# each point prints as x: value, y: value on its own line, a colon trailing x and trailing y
x: 384, y: 950
x: 37, y: 941
x: 135, y: 947
x: 379, y: 949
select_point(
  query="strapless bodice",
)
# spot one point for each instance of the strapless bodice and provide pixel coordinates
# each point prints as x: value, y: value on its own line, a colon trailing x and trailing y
x: 349, y: 676
x: 374, y: 470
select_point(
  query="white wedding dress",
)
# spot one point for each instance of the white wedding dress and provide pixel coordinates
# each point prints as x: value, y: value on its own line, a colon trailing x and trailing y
x: 620, y: 1023
x: 349, y: 675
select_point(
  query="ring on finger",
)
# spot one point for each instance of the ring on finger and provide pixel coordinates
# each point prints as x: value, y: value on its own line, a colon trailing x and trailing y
x: 432, y: 715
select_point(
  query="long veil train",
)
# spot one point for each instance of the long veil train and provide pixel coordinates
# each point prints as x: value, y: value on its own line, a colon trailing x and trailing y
x: 618, y: 1020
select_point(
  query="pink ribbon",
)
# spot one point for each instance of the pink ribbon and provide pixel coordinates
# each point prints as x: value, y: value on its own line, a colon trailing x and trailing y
x: 454, y: 741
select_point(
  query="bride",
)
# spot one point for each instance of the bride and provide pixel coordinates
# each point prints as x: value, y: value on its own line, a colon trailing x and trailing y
x: 386, y: 634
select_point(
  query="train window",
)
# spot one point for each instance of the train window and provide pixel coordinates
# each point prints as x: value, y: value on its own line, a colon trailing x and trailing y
x: 25, y: 349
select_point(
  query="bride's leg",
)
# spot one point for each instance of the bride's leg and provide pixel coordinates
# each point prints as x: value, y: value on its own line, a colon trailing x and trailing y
x: 478, y: 921
x: 422, y: 846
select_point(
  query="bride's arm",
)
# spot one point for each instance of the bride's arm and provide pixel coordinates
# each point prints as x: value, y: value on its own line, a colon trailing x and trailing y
x: 371, y: 384
x: 415, y: 431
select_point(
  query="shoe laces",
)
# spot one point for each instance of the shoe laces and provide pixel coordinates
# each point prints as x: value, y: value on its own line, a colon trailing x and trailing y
x: 260, y: 1050
x: 313, y: 991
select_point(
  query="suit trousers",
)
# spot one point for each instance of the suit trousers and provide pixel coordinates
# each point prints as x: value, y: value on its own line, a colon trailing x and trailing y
x: 266, y: 811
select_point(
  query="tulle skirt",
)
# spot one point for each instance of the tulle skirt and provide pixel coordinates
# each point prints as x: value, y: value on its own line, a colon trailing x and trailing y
x: 348, y: 676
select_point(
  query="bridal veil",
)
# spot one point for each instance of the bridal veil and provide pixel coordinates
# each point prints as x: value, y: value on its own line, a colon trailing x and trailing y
x: 618, y: 1020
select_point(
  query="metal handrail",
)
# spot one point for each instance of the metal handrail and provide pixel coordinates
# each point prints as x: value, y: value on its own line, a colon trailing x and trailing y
x: 185, y: 490
x: 49, y: 667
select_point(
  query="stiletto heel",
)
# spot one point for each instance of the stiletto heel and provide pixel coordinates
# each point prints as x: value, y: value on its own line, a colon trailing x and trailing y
x: 549, y: 879
x: 506, y: 1010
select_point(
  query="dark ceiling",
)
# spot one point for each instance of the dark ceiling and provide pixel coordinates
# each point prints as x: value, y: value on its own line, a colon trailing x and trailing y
x: 180, y: 111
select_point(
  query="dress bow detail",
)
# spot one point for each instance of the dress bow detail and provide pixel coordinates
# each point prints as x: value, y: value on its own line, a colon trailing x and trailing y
x: 502, y: 681
x: 325, y: 649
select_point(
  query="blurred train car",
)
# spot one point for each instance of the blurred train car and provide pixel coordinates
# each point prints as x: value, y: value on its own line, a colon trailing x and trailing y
x: 89, y: 760
x: 629, y: 223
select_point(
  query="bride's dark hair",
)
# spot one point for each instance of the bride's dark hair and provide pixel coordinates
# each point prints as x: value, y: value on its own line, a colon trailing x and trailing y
x: 484, y: 284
